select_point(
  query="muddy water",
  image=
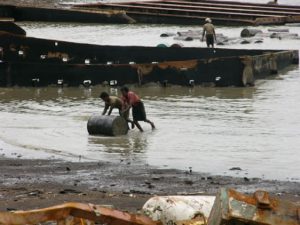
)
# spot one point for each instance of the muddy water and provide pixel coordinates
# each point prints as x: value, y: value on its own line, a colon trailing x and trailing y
x: 208, y: 129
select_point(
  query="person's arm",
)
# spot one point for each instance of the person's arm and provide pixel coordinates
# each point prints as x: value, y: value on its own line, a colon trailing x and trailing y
x: 203, y: 33
x: 105, y: 109
x: 126, y: 108
x: 215, y: 36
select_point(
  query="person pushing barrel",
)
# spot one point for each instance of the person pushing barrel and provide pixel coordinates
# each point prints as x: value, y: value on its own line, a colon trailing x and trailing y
x: 133, y: 101
x: 113, y: 102
x: 209, y: 33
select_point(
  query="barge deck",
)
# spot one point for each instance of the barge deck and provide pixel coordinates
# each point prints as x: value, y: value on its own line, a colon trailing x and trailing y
x: 194, y: 12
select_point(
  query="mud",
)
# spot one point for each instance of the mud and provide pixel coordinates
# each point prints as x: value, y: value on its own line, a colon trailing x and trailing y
x: 28, y: 184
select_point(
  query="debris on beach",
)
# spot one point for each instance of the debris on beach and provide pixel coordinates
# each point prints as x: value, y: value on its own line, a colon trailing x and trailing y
x: 228, y: 208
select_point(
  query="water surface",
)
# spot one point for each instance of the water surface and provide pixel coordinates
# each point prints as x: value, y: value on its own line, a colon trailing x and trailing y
x: 208, y: 129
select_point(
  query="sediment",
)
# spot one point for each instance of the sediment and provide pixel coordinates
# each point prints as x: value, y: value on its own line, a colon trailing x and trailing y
x: 28, y: 184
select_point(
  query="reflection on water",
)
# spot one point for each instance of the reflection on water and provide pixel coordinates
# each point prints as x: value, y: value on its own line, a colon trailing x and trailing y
x: 122, y: 145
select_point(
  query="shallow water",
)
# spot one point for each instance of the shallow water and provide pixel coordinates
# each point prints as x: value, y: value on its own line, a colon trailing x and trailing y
x: 208, y: 129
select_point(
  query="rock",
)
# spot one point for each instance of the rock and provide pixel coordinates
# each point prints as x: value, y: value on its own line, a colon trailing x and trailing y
x: 250, y: 32
x: 126, y: 192
x: 70, y: 191
x: 11, y: 209
x: 235, y: 168
x: 183, y: 38
x: 246, y: 179
x: 188, y: 182
x: 278, y: 30
x: 35, y: 193
x: 167, y: 34
x: 151, y: 186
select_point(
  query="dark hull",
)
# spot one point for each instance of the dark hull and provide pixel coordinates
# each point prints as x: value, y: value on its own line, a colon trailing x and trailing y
x: 44, y: 62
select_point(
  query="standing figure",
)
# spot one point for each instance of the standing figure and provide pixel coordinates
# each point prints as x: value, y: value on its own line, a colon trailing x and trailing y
x: 113, y: 102
x: 133, y: 101
x: 209, y: 33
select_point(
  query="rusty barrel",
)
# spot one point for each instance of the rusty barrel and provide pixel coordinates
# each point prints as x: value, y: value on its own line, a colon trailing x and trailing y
x: 107, y: 125
x: 250, y: 32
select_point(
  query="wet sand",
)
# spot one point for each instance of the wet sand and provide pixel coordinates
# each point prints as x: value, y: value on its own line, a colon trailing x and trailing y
x: 28, y: 184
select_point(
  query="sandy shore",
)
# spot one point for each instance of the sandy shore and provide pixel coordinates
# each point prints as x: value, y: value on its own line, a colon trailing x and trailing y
x: 28, y: 184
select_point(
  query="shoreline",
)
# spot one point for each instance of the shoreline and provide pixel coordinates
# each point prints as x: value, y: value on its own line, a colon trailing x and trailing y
x: 28, y: 184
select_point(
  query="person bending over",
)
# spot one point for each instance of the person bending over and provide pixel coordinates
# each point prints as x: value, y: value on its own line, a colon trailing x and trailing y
x: 113, y: 102
x: 133, y: 101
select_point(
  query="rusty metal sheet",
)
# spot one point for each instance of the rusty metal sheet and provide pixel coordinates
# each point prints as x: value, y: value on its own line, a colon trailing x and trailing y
x: 232, y: 207
x: 72, y: 214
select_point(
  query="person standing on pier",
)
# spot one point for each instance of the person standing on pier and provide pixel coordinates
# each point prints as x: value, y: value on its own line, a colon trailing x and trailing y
x: 209, y: 33
x: 133, y: 101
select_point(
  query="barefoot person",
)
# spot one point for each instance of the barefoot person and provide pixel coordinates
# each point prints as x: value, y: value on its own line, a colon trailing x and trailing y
x: 133, y: 101
x: 209, y: 33
x: 113, y: 102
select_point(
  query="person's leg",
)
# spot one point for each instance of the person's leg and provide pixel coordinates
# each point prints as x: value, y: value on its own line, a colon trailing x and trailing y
x: 138, y: 125
x: 125, y: 115
x: 207, y: 40
x: 150, y: 122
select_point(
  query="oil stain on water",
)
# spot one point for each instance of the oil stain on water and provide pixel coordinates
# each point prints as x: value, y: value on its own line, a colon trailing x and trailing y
x: 208, y: 129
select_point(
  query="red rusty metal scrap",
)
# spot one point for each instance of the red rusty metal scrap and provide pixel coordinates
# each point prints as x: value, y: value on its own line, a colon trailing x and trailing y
x: 232, y: 207
x: 263, y: 199
x: 72, y: 213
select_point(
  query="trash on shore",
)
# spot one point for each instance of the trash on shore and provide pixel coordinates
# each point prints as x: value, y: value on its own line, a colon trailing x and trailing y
x: 228, y: 208
x: 74, y: 214
x: 173, y: 209
x: 232, y: 207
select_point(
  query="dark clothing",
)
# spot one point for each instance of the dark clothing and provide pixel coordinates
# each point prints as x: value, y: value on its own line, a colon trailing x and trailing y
x: 138, y: 112
x: 210, y: 40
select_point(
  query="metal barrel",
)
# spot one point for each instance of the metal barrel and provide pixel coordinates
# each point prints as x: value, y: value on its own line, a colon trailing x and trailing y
x: 250, y: 32
x: 107, y: 125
